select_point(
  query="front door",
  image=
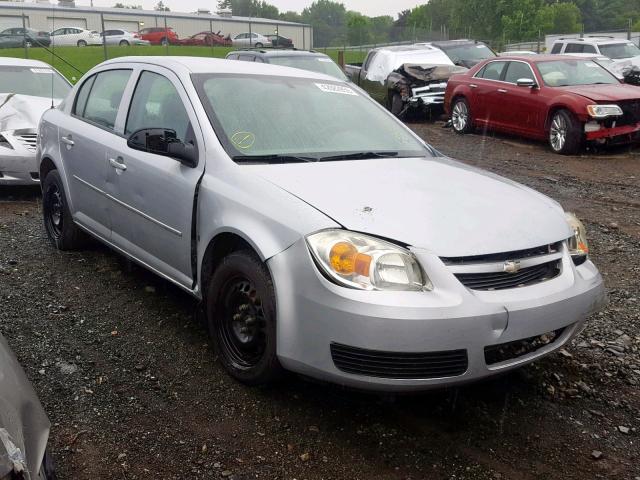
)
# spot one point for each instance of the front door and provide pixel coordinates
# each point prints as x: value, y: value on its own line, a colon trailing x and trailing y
x: 525, y: 114
x: 153, y: 195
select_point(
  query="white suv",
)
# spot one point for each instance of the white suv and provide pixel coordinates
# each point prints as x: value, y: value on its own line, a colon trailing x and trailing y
x: 623, y: 53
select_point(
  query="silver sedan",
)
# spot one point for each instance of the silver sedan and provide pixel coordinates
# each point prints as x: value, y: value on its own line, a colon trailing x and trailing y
x: 122, y: 38
x: 27, y: 89
x: 321, y: 235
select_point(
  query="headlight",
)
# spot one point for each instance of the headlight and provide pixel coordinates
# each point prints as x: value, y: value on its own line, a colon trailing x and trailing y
x: 578, y: 246
x: 603, y: 111
x: 366, y: 263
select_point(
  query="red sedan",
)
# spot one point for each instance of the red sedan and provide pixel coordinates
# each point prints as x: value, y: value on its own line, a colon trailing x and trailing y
x: 208, y: 39
x: 564, y: 100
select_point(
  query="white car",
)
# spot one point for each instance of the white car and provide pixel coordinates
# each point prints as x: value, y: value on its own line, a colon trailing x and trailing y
x: 250, y: 40
x: 74, y: 36
x: 123, y: 38
x: 26, y: 88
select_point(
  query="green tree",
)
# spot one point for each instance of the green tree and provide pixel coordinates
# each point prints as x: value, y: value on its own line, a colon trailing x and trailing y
x: 328, y: 19
x: 161, y: 7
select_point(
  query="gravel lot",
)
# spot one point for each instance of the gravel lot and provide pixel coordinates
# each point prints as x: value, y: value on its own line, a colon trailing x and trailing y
x: 132, y: 388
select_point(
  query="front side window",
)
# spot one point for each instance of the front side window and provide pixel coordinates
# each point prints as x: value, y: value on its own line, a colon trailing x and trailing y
x: 157, y: 104
x: 518, y: 70
x: 103, y: 99
x: 565, y: 73
x: 300, y: 117
x: 34, y: 81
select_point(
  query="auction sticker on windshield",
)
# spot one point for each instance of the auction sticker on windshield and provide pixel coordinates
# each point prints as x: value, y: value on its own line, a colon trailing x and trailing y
x: 341, y: 89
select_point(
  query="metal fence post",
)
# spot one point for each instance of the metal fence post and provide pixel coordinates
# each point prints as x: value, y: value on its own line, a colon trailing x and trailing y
x: 166, y: 43
x: 24, y: 36
x: 250, y: 35
x: 304, y: 38
x: 104, y: 38
x: 212, y: 42
x: 629, y: 31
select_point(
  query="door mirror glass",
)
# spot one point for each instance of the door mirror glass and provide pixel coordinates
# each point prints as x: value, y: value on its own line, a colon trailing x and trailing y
x: 526, y: 82
x: 160, y: 141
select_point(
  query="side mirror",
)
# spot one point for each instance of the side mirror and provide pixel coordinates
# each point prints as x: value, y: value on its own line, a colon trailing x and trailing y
x: 161, y: 141
x: 526, y: 83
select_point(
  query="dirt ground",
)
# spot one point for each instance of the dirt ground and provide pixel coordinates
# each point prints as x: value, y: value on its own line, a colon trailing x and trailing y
x: 133, y: 391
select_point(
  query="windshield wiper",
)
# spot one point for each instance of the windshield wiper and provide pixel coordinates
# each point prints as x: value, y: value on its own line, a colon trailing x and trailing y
x: 273, y: 158
x: 358, y: 156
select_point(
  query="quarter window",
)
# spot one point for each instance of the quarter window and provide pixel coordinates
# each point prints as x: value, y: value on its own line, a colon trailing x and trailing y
x: 101, y: 103
x: 157, y: 104
x: 557, y: 48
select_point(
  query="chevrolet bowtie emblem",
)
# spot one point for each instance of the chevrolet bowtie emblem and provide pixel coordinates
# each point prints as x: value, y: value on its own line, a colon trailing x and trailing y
x: 511, y: 266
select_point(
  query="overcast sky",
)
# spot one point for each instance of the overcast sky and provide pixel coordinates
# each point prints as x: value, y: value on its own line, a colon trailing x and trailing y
x: 368, y: 7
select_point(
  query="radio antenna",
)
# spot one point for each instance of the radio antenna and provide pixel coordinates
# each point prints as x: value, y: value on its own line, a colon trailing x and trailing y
x: 53, y: 50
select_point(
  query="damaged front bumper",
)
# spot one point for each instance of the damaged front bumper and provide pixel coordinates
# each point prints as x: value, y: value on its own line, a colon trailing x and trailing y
x: 18, y: 164
x: 432, y: 94
x: 600, y: 131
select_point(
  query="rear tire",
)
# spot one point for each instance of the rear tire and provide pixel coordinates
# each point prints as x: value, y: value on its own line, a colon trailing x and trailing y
x: 82, y: 43
x: 565, y: 133
x: 461, y: 116
x: 63, y: 233
x: 258, y: 45
x: 241, y: 313
x: 124, y: 43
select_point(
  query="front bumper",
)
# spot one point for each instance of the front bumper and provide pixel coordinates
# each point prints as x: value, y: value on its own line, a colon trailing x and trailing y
x: 18, y: 166
x: 314, y: 314
x: 631, y: 131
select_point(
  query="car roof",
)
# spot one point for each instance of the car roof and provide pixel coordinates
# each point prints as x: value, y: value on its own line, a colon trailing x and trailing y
x: 534, y: 58
x: 189, y: 65
x: 453, y: 43
x: 21, y: 62
x: 281, y: 52
x: 596, y: 40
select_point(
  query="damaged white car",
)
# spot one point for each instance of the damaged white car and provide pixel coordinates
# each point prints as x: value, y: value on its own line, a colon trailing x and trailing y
x: 27, y: 89
x: 24, y: 426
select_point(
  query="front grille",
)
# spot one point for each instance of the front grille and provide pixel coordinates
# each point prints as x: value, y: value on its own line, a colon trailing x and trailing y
x: 374, y: 363
x: 508, y: 351
x: 504, y: 256
x: 630, y: 113
x: 503, y: 280
x: 28, y: 141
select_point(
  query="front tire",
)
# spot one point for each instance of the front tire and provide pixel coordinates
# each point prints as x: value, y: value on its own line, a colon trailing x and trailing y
x: 461, y: 116
x: 124, y: 43
x: 241, y: 314
x: 63, y: 233
x: 164, y: 42
x: 396, y: 105
x: 258, y: 45
x: 565, y: 134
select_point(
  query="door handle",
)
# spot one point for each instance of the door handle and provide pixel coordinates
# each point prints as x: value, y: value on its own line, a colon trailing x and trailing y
x: 502, y: 90
x: 68, y: 141
x: 117, y: 164
x: 473, y: 85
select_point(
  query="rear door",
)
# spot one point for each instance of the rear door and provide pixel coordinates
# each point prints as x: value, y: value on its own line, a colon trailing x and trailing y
x: 153, y: 195
x: 84, y: 135
x: 487, y: 87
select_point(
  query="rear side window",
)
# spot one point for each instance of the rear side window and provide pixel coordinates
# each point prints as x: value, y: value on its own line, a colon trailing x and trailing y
x: 491, y: 71
x: 101, y: 103
x: 557, y: 48
x: 247, y: 58
x: 157, y: 104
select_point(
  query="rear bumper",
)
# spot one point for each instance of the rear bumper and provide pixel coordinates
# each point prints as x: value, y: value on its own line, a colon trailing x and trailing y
x: 315, y: 316
x: 607, y: 133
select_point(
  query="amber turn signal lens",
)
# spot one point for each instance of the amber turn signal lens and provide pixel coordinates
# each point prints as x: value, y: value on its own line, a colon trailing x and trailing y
x: 346, y: 260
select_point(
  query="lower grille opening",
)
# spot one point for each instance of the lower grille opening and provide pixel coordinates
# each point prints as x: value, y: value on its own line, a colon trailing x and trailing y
x: 503, y: 280
x: 399, y: 365
x: 519, y: 348
x: 35, y: 176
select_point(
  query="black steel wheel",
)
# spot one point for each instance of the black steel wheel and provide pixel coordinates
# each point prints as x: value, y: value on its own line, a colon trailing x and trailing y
x: 61, y: 230
x: 241, y: 315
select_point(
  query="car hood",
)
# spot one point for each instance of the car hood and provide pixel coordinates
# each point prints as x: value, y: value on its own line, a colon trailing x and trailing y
x: 605, y: 93
x: 24, y: 427
x: 22, y: 111
x: 437, y: 204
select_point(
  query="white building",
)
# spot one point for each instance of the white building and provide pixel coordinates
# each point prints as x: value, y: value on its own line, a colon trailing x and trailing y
x: 42, y: 15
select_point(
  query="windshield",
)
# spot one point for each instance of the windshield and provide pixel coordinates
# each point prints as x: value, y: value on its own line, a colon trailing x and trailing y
x: 469, y: 54
x: 256, y: 115
x: 566, y: 73
x: 315, y: 64
x: 35, y: 81
x: 617, y: 51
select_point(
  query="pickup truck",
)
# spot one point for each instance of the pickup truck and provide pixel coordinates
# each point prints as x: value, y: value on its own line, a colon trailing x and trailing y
x: 404, y: 78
